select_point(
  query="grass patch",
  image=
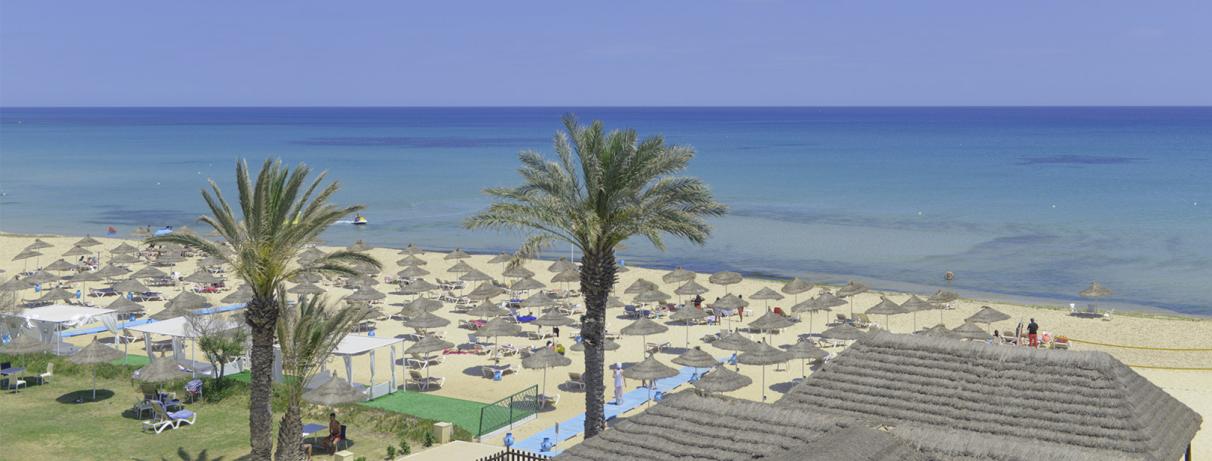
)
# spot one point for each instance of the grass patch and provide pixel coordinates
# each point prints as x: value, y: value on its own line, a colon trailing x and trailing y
x: 464, y: 414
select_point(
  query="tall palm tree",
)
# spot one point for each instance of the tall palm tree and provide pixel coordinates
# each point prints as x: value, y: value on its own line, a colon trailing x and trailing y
x: 604, y: 189
x: 307, y: 334
x: 279, y: 215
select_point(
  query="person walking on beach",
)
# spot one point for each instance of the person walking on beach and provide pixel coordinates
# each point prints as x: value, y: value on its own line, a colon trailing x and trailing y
x: 1033, y: 334
x: 618, y: 383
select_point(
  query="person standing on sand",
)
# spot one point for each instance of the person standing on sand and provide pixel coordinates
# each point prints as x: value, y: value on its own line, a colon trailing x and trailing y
x: 618, y: 384
x: 1033, y: 334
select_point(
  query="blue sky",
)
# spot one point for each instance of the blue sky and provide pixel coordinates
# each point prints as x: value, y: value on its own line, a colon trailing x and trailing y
x: 559, y: 53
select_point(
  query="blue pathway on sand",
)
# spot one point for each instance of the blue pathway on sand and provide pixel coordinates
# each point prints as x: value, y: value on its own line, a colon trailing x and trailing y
x: 571, y: 427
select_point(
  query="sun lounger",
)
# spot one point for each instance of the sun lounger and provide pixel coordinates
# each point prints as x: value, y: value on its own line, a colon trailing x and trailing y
x: 165, y: 419
x: 549, y: 401
x: 99, y: 292
x: 423, y: 382
x: 656, y: 347
x: 576, y: 380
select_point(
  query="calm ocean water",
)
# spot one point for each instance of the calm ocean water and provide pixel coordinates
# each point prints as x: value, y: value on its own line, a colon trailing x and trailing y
x: 1023, y: 202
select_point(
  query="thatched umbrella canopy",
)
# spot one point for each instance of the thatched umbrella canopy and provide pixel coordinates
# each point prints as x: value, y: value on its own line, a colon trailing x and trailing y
x: 423, y: 305
x: 770, y: 321
x: 561, y: 265
x: 499, y: 327
x: 310, y: 254
x: 691, y: 288
x: 821, y: 302
x: 59, y: 266
x: 77, y: 251
x: 650, y: 369
x: 362, y: 281
x: 124, y: 249
x: 804, y: 351
x: 766, y: 294
x: 678, y: 275
x: 411, y: 250
x: 426, y: 320
x: 486, y: 291
x: 887, y: 308
x: 725, y: 279
x: 211, y: 261
x: 915, y: 304
x: 125, y: 306
x: 170, y: 258
x: 38, y: 245
x: 688, y: 315
x: 170, y: 312
x: 427, y: 345
x: 83, y: 277
x: 202, y: 276
x: 14, y: 284
x: 334, y: 392
x: 1096, y: 290
x: 796, y: 286
x: 937, y: 331
x: 460, y: 266
x: 23, y: 343
x: 411, y: 261
x: 95, y: 353
x: 57, y: 294
x: 517, y: 272
x: 487, y: 309
x: 306, y: 289
x: 640, y: 286
x: 412, y: 272
x: 942, y: 297
x: 721, y: 379
x: 762, y: 355
x: 26, y: 254
x: 500, y: 258
x: 359, y: 246
x: 851, y: 290
x: 553, y: 318
x: 111, y: 271
x: 242, y: 295
x: 87, y: 241
x: 568, y: 276
x: 651, y: 296
x: 526, y: 285
x: 696, y: 358
x: 545, y: 358
x: 735, y: 342
x: 613, y: 302
x: 458, y: 253
x: 124, y: 259
x: 148, y: 272
x: 418, y: 286
x: 188, y: 300
x: 844, y: 332
x: 608, y: 345
x: 971, y: 331
x: 475, y: 276
x: 365, y: 295
x: 160, y: 370
x: 642, y: 328
x: 987, y: 315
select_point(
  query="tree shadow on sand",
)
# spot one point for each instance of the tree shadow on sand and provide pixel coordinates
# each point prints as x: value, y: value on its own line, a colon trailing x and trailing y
x: 183, y: 455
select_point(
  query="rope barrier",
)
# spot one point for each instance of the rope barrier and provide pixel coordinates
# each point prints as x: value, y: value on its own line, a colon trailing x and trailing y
x: 1122, y: 346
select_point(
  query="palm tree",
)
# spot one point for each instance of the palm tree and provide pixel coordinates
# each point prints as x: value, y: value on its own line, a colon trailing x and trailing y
x: 280, y: 215
x: 307, y: 334
x: 605, y: 188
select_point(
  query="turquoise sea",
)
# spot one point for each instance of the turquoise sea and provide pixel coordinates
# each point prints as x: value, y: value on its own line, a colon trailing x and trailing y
x: 1017, y: 202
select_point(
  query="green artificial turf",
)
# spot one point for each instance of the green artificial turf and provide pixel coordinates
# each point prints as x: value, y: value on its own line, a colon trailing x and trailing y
x: 462, y: 413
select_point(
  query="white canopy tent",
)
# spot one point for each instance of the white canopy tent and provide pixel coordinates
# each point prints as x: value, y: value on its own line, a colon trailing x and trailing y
x: 179, y: 328
x: 354, y: 345
x: 57, y: 316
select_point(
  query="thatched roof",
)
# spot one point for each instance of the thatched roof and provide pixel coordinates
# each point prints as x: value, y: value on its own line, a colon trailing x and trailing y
x: 561, y: 265
x: 1096, y: 290
x: 639, y: 286
x: 412, y: 272
x: 526, y: 284
x: 458, y: 253
x: 970, y: 400
x: 411, y: 249
x: 766, y: 293
x: 691, y: 288
x: 651, y: 296
x: 987, y: 315
x: 796, y: 286
x: 724, y: 278
x: 678, y: 275
x: 411, y: 261
x: 642, y: 327
x: 518, y: 272
x: 567, y: 276
x: 851, y: 443
x: 460, y: 266
x: 130, y: 285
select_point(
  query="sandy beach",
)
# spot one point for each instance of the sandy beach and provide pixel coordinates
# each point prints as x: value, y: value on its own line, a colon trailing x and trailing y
x: 1187, y: 375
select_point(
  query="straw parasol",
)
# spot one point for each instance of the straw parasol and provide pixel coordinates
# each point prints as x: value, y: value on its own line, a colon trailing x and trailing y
x: 458, y: 253
x: 418, y: 286
x: 1096, y: 290
x: 14, y: 284
x: 651, y: 296
x: 422, y: 305
x: 766, y: 294
x: 460, y: 266
x: 914, y: 305
x: 427, y: 345
x: 691, y: 288
x: 642, y: 328
x: 762, y: 355
x: 970, y: 330
x: 124, y: 259
x: 412, y: 272
x: 170, y: 312
x: 87, y: 241
x: 937, y: 331
x: 310, y: 254
x: 203, y: 277
x: 887, y: 308
x: 487, y: 309
x: 821, y: 302
x: 426, y: 320
x: 305, y: 289
x: 804, y: 351
x: 359, y: 246
x: 95, y: 353
x: 496, y: 328
x: 122, y: 305
x: 729, y: 302
x: 111, y: 271
x: 517, y: 272
x: 24, y: 257
x: 721, y: 379
x: 475, y: 276
x: 678, y: 275
x: 796, y: 286
x: 59, y: 266
x: 411, y: 250
x: 545, y: 358
x: 25, y: 342
x: 650, y: 369
x: 565, y: 277
x: 188, y: 300
x: 613, y: 302
x: 500, y: 258
x: 124, y: 249
x: 987, y: 315
x: 725, y: 279
x: 561, y: 265
x: 639, y: 286
x: 608, y: 345
x: 770, y: 321
x: 844, y: 332
x: 486, y: 291
x: 38, y: 245
x: 160, y: 370
x: 735, y: 342
x: 242, y: 295
x: 77, y: 251
x: 411, y: 261
x: 851, y: 290
x: 334, y: 392
x: 526, y: 285
x: 695, y: 358
x: 688, y: 315
x: 362, y: 281
x: 170, y: 259
x: 57, y: 294
x: 365, y: 295
x: 148, y: 272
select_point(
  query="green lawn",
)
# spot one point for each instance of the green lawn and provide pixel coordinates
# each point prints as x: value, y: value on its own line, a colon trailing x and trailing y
x: 462, y: 413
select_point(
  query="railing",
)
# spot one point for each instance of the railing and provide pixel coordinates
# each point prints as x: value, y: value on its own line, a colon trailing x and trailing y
x: 514, y: 455
x: 508, y: 410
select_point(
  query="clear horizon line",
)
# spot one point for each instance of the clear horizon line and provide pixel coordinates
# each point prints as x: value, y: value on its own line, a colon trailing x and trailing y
x: 831, y: 106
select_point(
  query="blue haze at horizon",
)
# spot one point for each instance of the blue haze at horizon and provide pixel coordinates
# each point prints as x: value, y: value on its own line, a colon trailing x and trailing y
x: 1019, y: 201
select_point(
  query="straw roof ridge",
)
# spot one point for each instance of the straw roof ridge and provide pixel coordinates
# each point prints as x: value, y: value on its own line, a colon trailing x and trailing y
x: 1082, y: 401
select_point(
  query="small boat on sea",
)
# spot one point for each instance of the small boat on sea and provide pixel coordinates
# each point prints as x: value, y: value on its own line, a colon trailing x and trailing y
x: 360, y: 220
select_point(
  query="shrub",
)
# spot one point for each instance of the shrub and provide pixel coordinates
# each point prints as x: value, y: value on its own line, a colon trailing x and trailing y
x: 405, y: 448
x: 428, y: 439
x: 391, y: 452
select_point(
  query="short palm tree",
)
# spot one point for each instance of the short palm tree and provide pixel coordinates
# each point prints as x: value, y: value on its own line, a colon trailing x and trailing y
x: 604, y: 189
x: 307, y: 333
x: 279, y: 215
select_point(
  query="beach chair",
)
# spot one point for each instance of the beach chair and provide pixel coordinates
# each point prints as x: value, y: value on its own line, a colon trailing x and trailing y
x: 631, y: 311
x: 862, y: 321
x: 657, y: 347
x: 422, y: 382
x: 549, y: 401
x: 414, y: 364
x: 1107, y: 315
x: 576, y: 380
x: 165, y: 419
x: 50, y: 371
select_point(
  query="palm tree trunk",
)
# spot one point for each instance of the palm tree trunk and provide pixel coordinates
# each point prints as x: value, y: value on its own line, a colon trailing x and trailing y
x: 597, y: 279
x: 261, y: 316
x: 290, y: 432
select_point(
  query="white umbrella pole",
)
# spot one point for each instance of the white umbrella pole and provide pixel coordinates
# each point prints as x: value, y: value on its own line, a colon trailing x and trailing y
x: 763, y: 383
